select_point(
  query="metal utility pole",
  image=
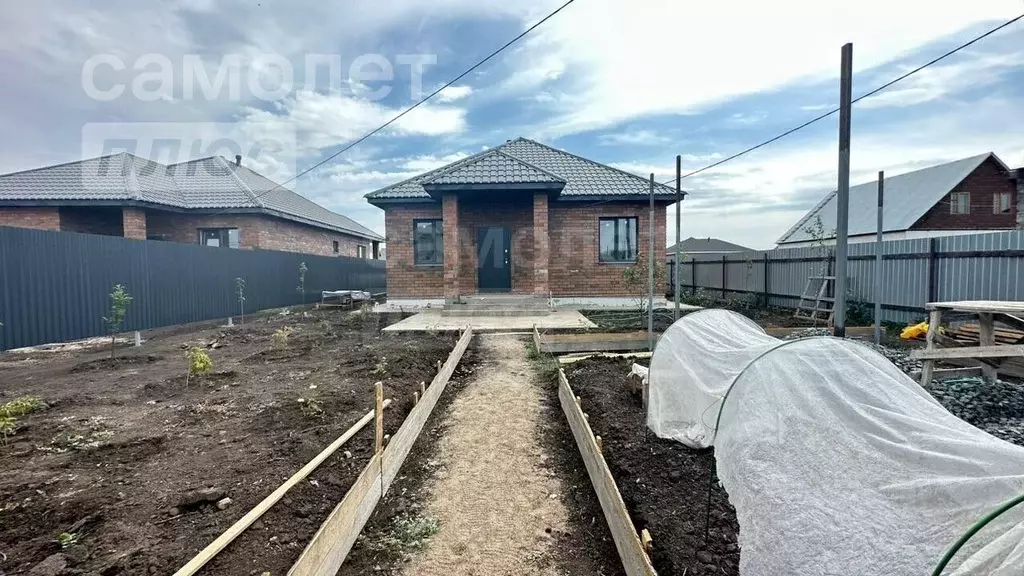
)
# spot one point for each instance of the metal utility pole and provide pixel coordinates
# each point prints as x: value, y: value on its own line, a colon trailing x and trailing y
x: 679, y: 209
x: 878, y: 262
x: 650, y: 272
x: 843, y: 190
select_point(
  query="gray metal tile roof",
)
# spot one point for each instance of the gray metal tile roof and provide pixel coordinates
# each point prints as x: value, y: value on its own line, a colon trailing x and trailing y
x: 907, y: 198
x: 494, y: 167
x: 583, y: 178
x: 208, y: 183
x: 713, y: 245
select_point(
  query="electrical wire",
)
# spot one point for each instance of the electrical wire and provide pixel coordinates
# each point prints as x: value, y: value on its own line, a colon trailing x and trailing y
x: 855, y: 100
x: 398, y: 116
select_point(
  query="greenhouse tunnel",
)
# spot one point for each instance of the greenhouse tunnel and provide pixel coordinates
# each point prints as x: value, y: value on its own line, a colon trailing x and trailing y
x: 835, y: 460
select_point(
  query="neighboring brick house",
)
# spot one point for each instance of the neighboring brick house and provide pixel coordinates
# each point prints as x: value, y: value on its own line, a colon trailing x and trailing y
x: 209, y: 201
x: 521, y: 218
x: 969, y: 196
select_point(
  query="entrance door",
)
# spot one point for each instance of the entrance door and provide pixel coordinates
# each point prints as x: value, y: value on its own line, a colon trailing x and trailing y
x: 494, y: 257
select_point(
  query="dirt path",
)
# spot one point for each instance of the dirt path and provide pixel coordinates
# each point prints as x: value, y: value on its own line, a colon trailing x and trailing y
x: 497, y: 503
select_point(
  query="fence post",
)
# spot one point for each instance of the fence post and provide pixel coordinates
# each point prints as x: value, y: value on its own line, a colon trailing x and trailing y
x: 693, y: 275
x: 933, y: 280
x: 766, y: 291
x: 723, y: 276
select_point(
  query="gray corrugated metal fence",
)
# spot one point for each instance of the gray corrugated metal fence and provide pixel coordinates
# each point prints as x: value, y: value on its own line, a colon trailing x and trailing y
x: 972, y: 267
x: 55, y: 286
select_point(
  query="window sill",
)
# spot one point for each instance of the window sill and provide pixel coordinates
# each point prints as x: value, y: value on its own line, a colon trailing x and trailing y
x: 622, y: 263
x: 428, y: 266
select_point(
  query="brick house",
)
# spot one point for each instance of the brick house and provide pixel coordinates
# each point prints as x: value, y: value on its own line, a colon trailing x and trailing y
x: 969, y: 196
x: 210, y: 201
x: 521, y: 218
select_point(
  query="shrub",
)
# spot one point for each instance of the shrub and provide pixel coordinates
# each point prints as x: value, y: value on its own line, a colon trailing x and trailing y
x: 67, y: 539
x: 199, y: 362
x: 281, y: 336
x: 310, y: 405
x: 119, y: 301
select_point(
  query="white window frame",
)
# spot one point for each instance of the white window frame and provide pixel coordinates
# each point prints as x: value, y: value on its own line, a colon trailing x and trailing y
x: 1000, y: 207
x: 361, y: 251
x: 954, y: 203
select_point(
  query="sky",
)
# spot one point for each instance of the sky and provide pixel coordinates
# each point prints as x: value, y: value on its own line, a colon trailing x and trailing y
x: 630, y: 84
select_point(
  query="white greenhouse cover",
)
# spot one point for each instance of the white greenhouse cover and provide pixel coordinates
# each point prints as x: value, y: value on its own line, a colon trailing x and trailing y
x: 836, y: 461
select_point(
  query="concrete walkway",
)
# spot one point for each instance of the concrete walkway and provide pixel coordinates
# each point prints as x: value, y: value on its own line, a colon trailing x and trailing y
x: 495, y: 501
x: 432, y: 320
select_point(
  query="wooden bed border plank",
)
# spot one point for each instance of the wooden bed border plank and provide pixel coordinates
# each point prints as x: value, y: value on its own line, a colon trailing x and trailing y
x: 627, y: 542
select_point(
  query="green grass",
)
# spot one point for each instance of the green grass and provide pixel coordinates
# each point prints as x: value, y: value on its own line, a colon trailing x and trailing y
x: 409, y: 534
x: 546, y: 365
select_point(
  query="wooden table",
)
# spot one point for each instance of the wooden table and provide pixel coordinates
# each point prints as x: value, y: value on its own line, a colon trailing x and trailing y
x: 986, y: 352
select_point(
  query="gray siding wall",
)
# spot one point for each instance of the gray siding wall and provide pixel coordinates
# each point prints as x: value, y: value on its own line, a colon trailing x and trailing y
x: 974, y: 267
x: 55, y: 286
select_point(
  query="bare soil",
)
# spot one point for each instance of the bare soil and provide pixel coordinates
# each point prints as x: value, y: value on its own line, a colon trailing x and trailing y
x: 497, y: 525
x: 664, y: 484
x: 123, y: 446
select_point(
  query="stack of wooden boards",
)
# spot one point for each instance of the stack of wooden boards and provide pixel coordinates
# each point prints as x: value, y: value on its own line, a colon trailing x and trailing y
x: 967, y: 335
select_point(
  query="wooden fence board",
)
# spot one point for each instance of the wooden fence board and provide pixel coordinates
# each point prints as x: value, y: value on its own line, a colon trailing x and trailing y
x: 329, y: 547
x: 401, y: 443
x: 332, y: 542
x: 631, y: 552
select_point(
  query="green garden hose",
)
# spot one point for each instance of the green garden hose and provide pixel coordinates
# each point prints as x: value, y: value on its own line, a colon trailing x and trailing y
x: 974, y: 530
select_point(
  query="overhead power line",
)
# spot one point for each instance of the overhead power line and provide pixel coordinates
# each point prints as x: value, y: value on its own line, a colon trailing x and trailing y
x: 398, y: 116
x: 855, y: 100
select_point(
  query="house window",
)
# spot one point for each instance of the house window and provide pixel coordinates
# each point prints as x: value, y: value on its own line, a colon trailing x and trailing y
x: 1001, y: 203
x: 360, y: 251
x: 335, y: 246
x: 617, y: 239
x: 428, y: 242
x: 225, y: 237
x: 960, y: 203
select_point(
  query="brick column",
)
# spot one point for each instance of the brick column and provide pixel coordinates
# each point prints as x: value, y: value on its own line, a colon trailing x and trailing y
x: 133, y: 223
x: 450, y: 217
x: 541, y: 245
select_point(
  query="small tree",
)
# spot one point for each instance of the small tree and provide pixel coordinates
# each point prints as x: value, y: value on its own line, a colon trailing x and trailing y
x: 636, y: 280
x: 119, y: 301
x: 302, y: 281
x: 199, y: 362
x: 240, y: 292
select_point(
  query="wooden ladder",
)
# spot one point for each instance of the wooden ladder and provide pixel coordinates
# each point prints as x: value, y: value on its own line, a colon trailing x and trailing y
x: 814, y: 301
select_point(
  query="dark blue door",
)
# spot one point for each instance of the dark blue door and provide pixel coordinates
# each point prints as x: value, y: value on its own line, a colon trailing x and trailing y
x: 494, y: 258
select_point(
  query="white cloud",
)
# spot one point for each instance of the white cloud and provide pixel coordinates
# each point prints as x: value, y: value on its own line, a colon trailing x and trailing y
x: 629, y: 59
x: 453, y: 93
x: 634, y: 138
x: 428, y: 162
x: 321, y: 121
x: 972, y: 70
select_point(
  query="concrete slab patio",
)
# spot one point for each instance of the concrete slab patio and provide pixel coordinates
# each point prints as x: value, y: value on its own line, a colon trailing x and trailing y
x: 433, y: 320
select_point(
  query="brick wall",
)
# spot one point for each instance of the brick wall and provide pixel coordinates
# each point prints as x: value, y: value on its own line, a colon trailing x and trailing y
x: 573, y: 268
x: 255, y: 232
x: 517, y: 215
x: 103, y: 220
x: 986, y: 180
x: 133, y: 223
x: 38, y: 218
x: 405, y: 279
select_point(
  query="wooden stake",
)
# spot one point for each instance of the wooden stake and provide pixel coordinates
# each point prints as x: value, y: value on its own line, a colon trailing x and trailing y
x: 415, y: 398
x: 600, y: 443
x: 645, y: 540
x: 387, y: 438
x: 423, y: 389
x: 578, y: 401
x: 244, y: 522
x: 438, y: 366
x: 378, y: 444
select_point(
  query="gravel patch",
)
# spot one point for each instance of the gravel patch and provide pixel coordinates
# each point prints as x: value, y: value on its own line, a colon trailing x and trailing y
x: 996, y: 408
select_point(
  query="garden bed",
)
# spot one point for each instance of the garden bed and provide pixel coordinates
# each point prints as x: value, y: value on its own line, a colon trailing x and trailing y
x: 110, y: 474
x: 663, y: 483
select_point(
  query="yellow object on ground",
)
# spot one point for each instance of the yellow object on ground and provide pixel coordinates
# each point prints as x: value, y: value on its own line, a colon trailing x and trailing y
x: 915, y: 331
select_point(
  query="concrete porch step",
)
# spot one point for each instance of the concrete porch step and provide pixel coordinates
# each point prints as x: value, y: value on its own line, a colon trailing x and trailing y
x: 498, y: 305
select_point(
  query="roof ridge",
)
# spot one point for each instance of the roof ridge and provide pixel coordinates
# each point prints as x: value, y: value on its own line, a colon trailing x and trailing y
x: 589, y: 161
x: 496, y: 151
x: 131, y: 179
x: 17, y: 172
x: 245, y: 188
x: 430, y: 174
